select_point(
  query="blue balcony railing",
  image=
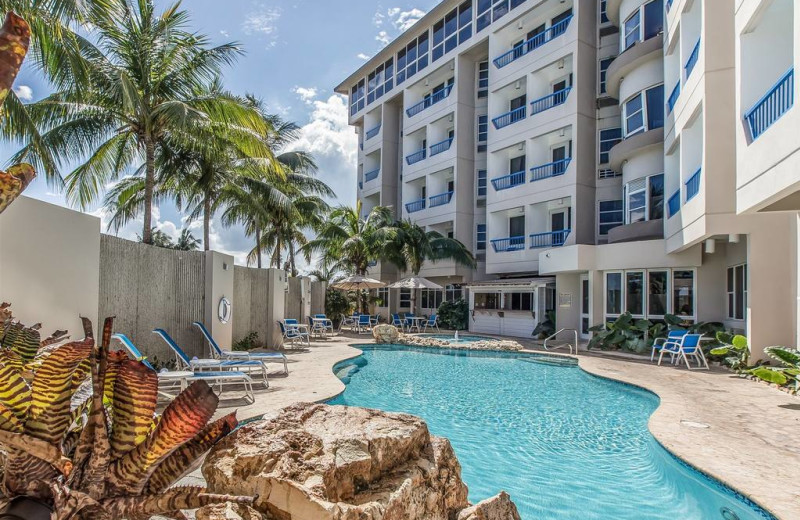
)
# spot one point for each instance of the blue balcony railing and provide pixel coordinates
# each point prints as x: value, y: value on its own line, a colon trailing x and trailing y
x: 693, y: 185
x: 440, y: 200
x: 776, y: 102
x: 550, y: 101
x: 668, y: 5
x: 416, y: 157
x: 441, y: 147
x: 518, y: 114
x: 371, y: 176
x: 549, y: 239
x: 674, y: 204
x: 373, y: 132
x: 508, y: 181
x: 429, y: 101
x: 673, y: 98
x: 532, y: 44
x: 553, y: 169
x: 692, y: 61
x: 502, y: 245
x: 417, y: 205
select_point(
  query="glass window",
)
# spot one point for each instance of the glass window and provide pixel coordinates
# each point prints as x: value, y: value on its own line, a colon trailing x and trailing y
x: 603, y: 12
x: 480, y: 237
x: 634, y: 293
x: 608, y: 138
x: 453, y: 292
x: 357, y: 98
x: 483, y: 128
x: 633, y: 113
x: 655, y: 107
x: 631, y: 32
x: 610, y: 215
x: 483, y: 79
x: 636, y: 200
x: 653, y: 18
x: 380, y: 81
x: 604, y: 63
x: 487, y: 301
x: 614, y: 294
x: 655, y: 194
x: 683, y: 293
x: 639, y: 116
x: 482, y: 183
x: 405, y: 298
x: 658, y: 292
x: 737, y: 292
x: 413, y: 58
x: 518, y: 302
x: 453, y: 29
x: 492, y: 10
x: 431, y: 298
x: 382, y: 296
x: 644, y: 23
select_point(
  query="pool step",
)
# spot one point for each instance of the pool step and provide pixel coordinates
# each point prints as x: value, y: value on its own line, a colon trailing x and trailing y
x: 560, y: 361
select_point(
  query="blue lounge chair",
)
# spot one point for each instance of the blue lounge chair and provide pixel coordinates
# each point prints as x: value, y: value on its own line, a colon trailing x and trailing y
x: 220, y: 365
x: 673, y: 335
x: 364, y: 323
x: 292, y: 331
x: 218, y: 353
x: 433, y: 323
x: 688, y: 345
x: 167, y: 381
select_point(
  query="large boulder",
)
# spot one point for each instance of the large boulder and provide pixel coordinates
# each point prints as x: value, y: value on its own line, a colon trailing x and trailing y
x: 227, y: 511
x: 385, y: 334
x: 499, y: 507
x: 320, y: 462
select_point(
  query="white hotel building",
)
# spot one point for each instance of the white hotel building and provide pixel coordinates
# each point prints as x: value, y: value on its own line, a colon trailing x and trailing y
x: 597, y: 157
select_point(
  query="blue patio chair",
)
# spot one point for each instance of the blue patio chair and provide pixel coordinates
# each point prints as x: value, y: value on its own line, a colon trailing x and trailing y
x: 292, y: 332
x: 673, y: 335
x: 406, y: 319
x: 687, y: 345
x: 433, y: 323
x: 364, y: 323
x: 327, y: 325
x: 218, y: 353
x: 397, y: 321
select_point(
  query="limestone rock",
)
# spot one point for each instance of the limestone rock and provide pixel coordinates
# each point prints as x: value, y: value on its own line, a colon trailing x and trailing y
x: 320, y: 462
x: 385, y: 333
x: 227, y: 512
x: 487, y: 344
x: 499, y: 507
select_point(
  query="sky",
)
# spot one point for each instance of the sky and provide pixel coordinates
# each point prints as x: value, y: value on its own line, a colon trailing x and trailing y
x: 296, y: 52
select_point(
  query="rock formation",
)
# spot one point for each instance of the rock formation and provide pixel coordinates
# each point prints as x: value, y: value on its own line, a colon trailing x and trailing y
x: 385, y: 334
x: 499, y: 507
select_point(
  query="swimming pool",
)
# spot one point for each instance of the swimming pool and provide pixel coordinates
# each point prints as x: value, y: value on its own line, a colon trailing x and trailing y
x: 462, y: 338
x: 565, y: 444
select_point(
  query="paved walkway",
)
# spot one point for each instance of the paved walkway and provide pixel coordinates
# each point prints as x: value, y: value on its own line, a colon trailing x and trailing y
x: 741, y: 432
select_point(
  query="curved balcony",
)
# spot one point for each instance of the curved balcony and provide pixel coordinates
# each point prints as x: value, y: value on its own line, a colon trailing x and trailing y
x: 549, y: 239
x: 441, y: 147
x: 509, y: 181
x: 504, y: 245
x: 776, y: 102
x: 429, y: 101
x: 372, y: 175
x: 532, y: 44
x: 416, y: 157
x: 372, y: 132
x: 553, y: 169
x: 440, y: 200
x: 633, y: 145
x: 417, y: 205
x: 642, y: 230
x: 514, y: 116
x: 549, y: 101
x: 633, y: 57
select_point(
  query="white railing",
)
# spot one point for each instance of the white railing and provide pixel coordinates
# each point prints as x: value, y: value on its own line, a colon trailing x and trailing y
x: 562, y: 346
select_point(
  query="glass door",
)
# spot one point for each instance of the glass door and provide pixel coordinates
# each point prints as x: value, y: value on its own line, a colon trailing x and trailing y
x: 586, y: 307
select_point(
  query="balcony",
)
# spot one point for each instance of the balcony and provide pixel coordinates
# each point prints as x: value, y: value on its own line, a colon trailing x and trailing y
x: 553, y: 169
x: 416, y: 157
x: 673, y: 98
x: 532, y: 44
x: 508, y: 181
x: 518, y: 114
x: 674, y: 204
x: 441, y: 147
x: 371, y: 176
x: 693, y: 185
x: 440, y: 200
x: 549, y: 101
x: 417, y: 205
x: 776, y: 102
x: 429, y: 101
x: 549, y: 239
x: 692, y: 61
x: 373, y: 132
x: 505, y: 245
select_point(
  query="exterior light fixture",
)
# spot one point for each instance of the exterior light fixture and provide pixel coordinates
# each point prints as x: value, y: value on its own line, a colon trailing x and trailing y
x: 711, y: 246
x: 518, y: 84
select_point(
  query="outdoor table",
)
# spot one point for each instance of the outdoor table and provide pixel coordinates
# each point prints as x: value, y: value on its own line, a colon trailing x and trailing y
x: 322, y: 332
x: 416, y: 321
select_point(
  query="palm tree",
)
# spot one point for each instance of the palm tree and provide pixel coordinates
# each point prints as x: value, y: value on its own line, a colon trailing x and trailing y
x: 147, y: 78
x: 187, y: 241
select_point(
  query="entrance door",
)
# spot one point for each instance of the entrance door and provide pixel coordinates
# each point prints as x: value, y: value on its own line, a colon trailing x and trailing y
x: 586, y: 307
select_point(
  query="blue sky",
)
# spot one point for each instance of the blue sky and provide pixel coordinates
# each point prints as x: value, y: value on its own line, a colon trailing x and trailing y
x: 297, y: 51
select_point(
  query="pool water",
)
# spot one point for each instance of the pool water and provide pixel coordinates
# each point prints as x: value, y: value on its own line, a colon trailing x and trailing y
x: 565, y: 444
x: 462, y: 338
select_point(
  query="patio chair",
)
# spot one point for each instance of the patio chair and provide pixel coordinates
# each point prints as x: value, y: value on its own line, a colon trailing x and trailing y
x: 315, y: 327
x: 433, y: 323
x: 364, y: 323
x: 200, y: 365
x: 168, y: 381
x: 327, y: 325
x: 374, y: 320
x: 218, y: 353
x: 397, y: 321
x: 673, y: 335
x: 407, y: 321
x: 682, y: 348
x: 292, y: 332
x: 347, y: 321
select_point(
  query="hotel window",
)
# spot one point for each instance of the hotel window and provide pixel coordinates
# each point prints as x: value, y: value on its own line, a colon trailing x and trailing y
x: 603, y: 12
x: 480, y: 237
x: 610, y: 215
x: 431, y: 298
x: 644, y: 23
x: 413, y: 58
x: 483, y: 79
x: 482, y: 184
x: 453, y: 293
x: 634, y: 293
x: 644, y: 111
x: 380, y: 81
x: 405, y: 298
x: 487, y: 301
x: 608, y: 138
x: 453, y: 29
x: 382, y: 295
x: 518, y: 302
x: 492, y: 10
x: 483, y: 132
x: 658, y: 293
x: 737, y: 292
x: 613, y: 294
x: 604, y: 63
x: 644, y: 199
x: 357, y: 98
x: 683, y: 293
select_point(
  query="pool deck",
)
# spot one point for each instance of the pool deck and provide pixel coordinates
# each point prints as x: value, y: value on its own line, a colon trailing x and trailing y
x: 743, y: 433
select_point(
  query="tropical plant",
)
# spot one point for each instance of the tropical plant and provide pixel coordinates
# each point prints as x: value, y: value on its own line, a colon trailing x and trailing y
x: 734, y: 350
x: 626, y: 333
x: 186, y: 241
x: 145, y: 79
x: 80, y: 433
x: 159, y: 239
x: 337, y: 305
x: 454, y: 315
x: 788, y: 374
x: 248, y: 342
x: 546, y: 327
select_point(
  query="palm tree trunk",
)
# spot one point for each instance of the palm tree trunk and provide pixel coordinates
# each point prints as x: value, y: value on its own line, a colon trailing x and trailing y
x: 258, y: 245
x: 207, y: 222
x: 291, y: 259
x: 149, y: 187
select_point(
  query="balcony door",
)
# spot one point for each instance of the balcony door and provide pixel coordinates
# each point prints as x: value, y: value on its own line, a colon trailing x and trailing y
x: 516, y: 226
x: 559, y: 154
x: 517, y: 164
x: 517, y: 102
x: 559, y: 223
x: 586, y: 307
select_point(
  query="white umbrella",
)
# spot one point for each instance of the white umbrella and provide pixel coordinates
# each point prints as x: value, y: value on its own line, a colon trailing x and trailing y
x: 357, y: 283
x: 415, y: 282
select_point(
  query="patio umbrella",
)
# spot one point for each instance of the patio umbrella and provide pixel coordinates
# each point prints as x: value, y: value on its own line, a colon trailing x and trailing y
x: 358, y: 283
x: 414, y: 283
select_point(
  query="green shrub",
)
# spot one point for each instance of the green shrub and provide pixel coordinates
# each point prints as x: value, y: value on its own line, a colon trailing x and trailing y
x: 454, y: 315
x: 546, y: 327
x: 248, y: 342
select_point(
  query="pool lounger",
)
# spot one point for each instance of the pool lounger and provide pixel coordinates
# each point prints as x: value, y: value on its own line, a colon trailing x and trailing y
x: 169, y: 380
x: 218, y: 353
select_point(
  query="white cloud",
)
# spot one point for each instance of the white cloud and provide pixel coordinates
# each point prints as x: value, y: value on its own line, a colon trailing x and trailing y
x: 362, y: 56
x: 224, y: 33
x: 24, y: 92
x: 307, y: 94
x: 264, y: 23
x: 403, y: 20
x: 383, y: 38
x: 378, y: 19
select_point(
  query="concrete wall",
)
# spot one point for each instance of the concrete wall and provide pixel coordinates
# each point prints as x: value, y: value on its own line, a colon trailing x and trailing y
x: 258, y: 296
x: 49, y: 265
x: 318, y: 290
